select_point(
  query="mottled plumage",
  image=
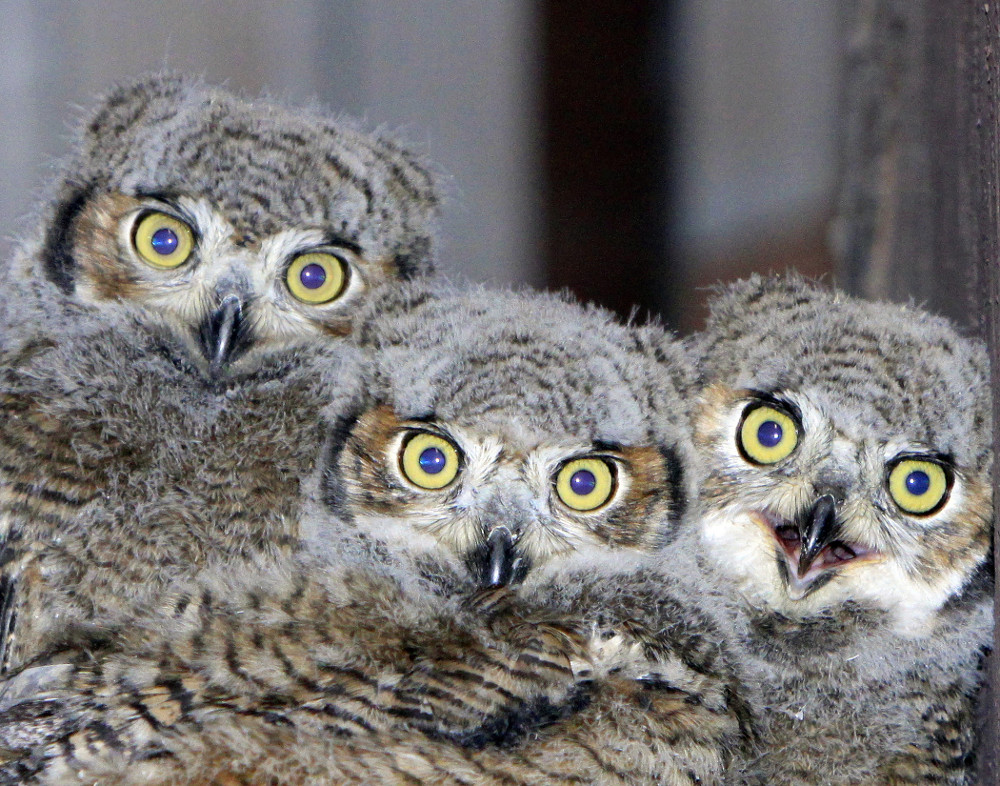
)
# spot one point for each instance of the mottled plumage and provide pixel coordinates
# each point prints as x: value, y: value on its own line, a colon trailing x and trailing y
x: 847, y: 508
x: 484, y: 631
x: 171, y: 337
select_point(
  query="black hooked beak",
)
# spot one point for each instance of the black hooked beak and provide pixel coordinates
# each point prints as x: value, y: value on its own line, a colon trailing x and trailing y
x: 222, y: 332
x: 816, y: 530
x: 502, y: 561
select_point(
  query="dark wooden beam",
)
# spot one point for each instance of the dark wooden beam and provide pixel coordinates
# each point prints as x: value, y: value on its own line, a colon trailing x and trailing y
x: 979, y: 129
x: 606, y: 136
x: 918, y: 212
x: 901, y: 230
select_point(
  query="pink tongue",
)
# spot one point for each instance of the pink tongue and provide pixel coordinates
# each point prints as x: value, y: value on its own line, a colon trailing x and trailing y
x: 834, y: 554
x: 841, y: 551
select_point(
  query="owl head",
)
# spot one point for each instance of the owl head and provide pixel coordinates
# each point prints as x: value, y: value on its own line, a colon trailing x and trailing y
x: 846, y: 453
x: 507, y: 430
x: 233, y: 227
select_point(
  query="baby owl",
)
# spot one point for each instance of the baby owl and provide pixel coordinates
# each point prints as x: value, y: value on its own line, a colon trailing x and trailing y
x: 171, y: 337
x: 846, y: 507
x: 483, y: 602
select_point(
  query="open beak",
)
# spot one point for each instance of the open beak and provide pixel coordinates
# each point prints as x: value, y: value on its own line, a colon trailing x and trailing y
x: 222, y: 332
x: 811, y: 546
x: 817, y: 528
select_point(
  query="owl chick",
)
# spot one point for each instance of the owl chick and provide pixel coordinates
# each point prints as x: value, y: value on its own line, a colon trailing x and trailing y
x: 847, y: 508
x: 487, y: 604
x: 172, y: 336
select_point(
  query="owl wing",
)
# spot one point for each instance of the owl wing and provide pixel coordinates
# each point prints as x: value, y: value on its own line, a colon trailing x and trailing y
x: 59, y: 719
x: 233, y: 686
x: 655, y: 702
x: 663, y: 669
x: 523, y: 674
x: 46, y: 479
x: 648, y: 696
x: 945, y: 752
x: 8, y: 589
x: 18, y: 495
x: 10, y: 534
x: 646, y: 712
x: 35, y: 710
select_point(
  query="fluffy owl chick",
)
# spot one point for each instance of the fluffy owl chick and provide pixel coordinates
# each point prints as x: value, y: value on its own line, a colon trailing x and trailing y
x: 239, y: 226
x: 171, y: 336
x: 492, y: 609
x: 846, y: 504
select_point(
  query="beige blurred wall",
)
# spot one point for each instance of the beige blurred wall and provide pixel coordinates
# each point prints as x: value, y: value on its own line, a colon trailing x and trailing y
x: 759, y: 92
x: 456, y: 77
x: 755, y: 155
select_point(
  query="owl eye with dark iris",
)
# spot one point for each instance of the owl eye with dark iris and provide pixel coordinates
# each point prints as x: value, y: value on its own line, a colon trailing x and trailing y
x: 919, y: 486
x: 317, y: 277
x: 429, y: 461
x: 766, y: 434
x: 162, y: 241
x: 586, y: 484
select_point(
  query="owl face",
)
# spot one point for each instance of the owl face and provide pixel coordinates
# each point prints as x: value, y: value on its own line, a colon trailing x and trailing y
x: 235, y: 227
x: 839, y: 481
x: 503, y: 498
x: 806, y: 513
x: 509, y: 431
x: 223, y: 294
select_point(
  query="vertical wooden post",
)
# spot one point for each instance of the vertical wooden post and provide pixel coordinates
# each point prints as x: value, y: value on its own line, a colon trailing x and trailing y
x: 980, y: 177
x: 918, y: 212
x: 604, y: 151
x: 902, y: 229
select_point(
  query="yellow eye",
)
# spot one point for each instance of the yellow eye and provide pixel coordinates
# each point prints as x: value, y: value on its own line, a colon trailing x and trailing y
x: 919, y: 487
x: 586, y: 484
x: 767, y: 435
x: 429, y: 461
x: 316, y: 278
x: 163, y: 241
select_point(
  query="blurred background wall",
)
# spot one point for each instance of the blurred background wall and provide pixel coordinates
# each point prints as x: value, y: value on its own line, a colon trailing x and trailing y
x: 458, y: 80
x: 635, y: 152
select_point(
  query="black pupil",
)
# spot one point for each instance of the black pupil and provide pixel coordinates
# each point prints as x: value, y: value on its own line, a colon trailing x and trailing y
x: 164, y: 241
x: 918, y: 482
x: 313, y: 276
x: 432, y: 460
x: 769, y: 433
x: 583, y: 482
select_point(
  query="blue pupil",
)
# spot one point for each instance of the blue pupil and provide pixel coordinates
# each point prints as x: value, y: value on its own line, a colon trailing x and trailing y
x: 918, y: 483
x: 164, y: 241
x: 769, y: 433
x: 583, y: 482
x: 432, y: 460
x: 313, y: 276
